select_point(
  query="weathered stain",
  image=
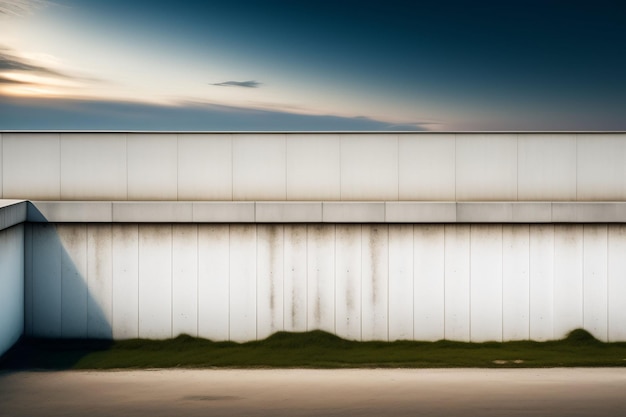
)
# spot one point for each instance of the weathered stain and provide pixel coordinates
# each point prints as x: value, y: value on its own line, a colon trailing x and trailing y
x: 374, y: 238
x: 273, y: 243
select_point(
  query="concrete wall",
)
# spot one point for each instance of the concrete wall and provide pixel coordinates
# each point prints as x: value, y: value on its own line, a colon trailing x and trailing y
x: 245, y: 281
x: 11, y: 273
x: 314, y: 166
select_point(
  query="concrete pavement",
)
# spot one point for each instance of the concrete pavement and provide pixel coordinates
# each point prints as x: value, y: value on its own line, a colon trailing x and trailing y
x: 295, y: 392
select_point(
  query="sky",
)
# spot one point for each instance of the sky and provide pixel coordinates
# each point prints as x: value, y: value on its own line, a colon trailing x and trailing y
x: 279, y: 65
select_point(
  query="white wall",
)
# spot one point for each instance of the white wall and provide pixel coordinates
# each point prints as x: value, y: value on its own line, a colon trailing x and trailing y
x: 314, y: 166
x: 11, y: 286
x: 364, y: 282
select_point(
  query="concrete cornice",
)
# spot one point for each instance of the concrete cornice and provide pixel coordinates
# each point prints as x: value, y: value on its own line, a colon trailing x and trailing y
x: 324, y: 212
x: 12, y: 212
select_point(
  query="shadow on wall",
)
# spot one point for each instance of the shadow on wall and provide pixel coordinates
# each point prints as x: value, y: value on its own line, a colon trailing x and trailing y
x: 59, y: 291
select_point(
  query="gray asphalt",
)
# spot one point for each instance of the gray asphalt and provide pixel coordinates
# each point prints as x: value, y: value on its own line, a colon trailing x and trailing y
x: 294, y: 392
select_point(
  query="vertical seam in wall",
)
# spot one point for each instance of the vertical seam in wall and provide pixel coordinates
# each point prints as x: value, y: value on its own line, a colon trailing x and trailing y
x: 286, y: 156
x: 127, y: 174
x: 112, y: 281
x: 502, y: 281
x: 138, y: 282
x: 335, y: 282
x: 177, y: 171
x: 229, y: 281
x: 197, y: 228
x: 397, y: 170
x: 232, y: 168
x: 529, y: 284
x: 444, y: 282
x: 256, y: 282
x: 455, y: 168
x: 60, y: 165
x: 470, y: 283
x: 582, y: 278
x: 517, y: 170
x: 553, y: 275
x: 388, y: 279
x: 608, y: 283
x: 576, y: 172
x: 54, y: 228
x: 87, y: 274
x: 306, y: 281
x: 340, y: 178
x: 172, y: 279
x: 284, y: 265
x: 413, y: 278
x: 361, y: 282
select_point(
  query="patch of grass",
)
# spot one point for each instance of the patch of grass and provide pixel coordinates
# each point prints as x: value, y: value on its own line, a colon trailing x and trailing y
x: 316, y: 349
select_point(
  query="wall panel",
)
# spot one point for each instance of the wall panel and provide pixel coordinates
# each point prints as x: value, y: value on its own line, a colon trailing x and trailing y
x: 125, y: 281
x: 99, y: 281
x: 429, y: 282
x: 486, y: 167
x: 93, y: 166
x: 426, y: 167
x: 369, y: 167
x: 73, y: 280
x: 515, y: 282
x: 295, y: 278
x: 213, y: 281
x: 11, y: 286
x: 185, y: 279
x: 242, y: 293
x: 617, y: 282
x: 31, y: 166
x: 321, y: 277
x: 152, y: 166
x: 457, y: 282
x: 568, y: 279
x: 313, y: 167
x: 541, y: 281
x: 375, y: 281
x: 401, y: 278
x: 47, y: 288
x: 486, y: 283
x: 259, y: 167
x: 205, y: 165
x: 547, y: 167
x: 595, y: 284
x: 28, y: 279
x: 269, y: 264
x: 348, y: 281
x: 601, y: 171
x: 155, y: 281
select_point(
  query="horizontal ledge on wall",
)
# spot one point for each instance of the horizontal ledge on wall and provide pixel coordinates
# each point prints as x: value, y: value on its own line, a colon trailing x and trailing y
x: 12, y: 212
x: 319, y: 212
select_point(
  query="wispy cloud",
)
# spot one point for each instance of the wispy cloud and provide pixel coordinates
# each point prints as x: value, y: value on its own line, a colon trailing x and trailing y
x: 245, y: 84
x: 9, y: 62
x: 4, y: 80
x: 20, y: 7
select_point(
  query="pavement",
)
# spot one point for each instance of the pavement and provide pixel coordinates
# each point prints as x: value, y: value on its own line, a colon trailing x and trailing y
x: 571, y: 392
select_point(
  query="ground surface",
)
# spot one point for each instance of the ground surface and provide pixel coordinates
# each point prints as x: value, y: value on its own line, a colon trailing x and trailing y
x: 571, y: 392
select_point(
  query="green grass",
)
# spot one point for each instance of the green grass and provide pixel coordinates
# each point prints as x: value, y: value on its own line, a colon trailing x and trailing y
x: 314, y: 349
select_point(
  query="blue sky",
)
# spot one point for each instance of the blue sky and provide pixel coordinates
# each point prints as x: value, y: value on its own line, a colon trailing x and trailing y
x: 324, y: 65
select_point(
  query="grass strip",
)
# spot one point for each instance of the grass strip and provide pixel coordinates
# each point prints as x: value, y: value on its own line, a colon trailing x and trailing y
x: 315, y: 349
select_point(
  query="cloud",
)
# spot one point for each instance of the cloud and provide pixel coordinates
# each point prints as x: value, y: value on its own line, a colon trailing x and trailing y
x: 20, y: 7
x: 23, y: 113
x: 9, y: 62
x: 245, y: 84
x: 4, y: 80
